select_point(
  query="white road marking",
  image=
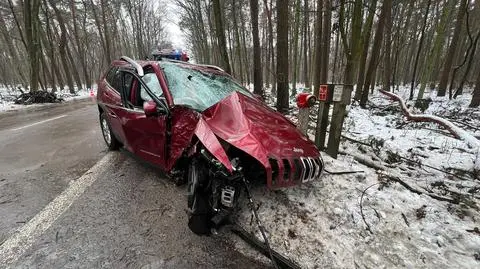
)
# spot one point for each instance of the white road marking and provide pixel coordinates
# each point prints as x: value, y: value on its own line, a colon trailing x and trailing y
x: 38, y: 122
x: 16, y: 245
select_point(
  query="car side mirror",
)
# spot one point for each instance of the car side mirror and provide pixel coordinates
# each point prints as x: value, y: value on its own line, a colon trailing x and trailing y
x: 150, y: 108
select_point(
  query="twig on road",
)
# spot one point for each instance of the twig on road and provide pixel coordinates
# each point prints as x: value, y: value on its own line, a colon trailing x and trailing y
x: 361, y: 207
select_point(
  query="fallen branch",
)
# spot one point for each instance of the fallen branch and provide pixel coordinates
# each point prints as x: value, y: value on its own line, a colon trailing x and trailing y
x: 361, y: 159
x: 429, y: 166
x: 381, y: 167
x: 456, y: 131
x: 410, y: 188
x: 343, y: 172
x: 405, y: 219
x: 361, y: 207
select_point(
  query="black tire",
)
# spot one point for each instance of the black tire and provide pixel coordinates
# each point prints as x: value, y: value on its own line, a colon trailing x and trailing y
x: 108, y: 136
x: 198, y: 199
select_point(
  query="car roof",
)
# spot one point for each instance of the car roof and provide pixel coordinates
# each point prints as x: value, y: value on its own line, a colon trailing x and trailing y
x: 143, y: 63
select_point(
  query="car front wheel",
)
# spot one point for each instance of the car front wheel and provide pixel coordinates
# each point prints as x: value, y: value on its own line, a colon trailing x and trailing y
x: 110, y: 140
x: 198, y: 199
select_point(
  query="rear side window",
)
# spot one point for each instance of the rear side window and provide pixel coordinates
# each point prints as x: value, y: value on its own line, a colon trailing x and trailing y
x: 127, y: 84
x: 117, y: 81
x: 110, y: 75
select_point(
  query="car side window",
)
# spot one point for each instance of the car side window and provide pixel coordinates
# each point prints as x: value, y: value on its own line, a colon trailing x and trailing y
x: 110, y: 75
x: 153, y: 84
x: 117, y: 81
x: 127, y: 86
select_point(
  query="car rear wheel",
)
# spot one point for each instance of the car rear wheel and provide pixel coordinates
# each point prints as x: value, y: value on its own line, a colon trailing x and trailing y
x: 198, y: 199
x: 108, y: 136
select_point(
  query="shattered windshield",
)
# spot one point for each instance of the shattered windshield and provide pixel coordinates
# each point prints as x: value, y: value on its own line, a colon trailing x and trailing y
x: 196, y: 89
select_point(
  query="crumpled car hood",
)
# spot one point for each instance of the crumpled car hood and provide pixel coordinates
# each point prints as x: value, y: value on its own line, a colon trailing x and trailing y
x: 256, y: 129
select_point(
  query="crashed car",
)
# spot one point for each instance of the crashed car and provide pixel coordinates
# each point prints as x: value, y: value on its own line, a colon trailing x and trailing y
x: 201, y: 127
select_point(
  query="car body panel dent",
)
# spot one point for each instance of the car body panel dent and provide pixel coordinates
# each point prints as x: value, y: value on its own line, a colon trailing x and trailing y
x: 211, y: 143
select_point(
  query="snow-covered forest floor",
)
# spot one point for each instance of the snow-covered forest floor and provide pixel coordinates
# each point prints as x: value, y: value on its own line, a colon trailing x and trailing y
x: 8, y: 96
x: 419, y: 208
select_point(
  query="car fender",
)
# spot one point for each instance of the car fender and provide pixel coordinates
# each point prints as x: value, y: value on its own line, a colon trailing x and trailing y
x: 210, y: 141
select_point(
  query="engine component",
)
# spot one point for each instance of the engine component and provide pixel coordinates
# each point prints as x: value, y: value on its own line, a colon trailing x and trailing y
x: 227, y: 196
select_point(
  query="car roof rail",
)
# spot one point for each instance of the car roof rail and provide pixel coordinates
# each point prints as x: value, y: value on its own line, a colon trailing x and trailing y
x: 212, y: 67
x: 203, y: 65
x: 135, y: 65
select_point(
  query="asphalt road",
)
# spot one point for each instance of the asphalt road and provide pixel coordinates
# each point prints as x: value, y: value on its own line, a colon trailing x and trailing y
x: 65, y: 202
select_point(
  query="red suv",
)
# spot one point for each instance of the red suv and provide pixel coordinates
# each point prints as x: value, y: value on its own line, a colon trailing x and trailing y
x: 199, y: 125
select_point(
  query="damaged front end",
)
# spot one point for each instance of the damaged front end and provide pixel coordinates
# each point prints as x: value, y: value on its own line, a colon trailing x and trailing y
x: 235, y: 142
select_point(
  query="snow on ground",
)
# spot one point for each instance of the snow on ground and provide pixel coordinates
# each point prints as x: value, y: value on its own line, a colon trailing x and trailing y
x: 324, y: 224
x: 8, y: 96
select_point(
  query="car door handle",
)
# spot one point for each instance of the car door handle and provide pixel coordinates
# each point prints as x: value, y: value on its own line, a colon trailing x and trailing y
x: 113, y: 115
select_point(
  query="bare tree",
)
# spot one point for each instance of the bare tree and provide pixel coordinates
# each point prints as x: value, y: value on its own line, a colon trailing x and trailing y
x: 257, y: 64
x: 282, y: 55
x: 452, y: 50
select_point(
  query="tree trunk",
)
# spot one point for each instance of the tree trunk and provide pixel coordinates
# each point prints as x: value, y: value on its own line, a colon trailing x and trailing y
x: 306, y: 78
x: 365, y: 44
x: 295, y: 47
x: 470, y: 56
x: 106, y: 32
x: 282, y: 55
x: 257, y: 64
x: 268, y: 10
x: 387, y: 73
x: 63, y: 47
x: 452, y: 50
x: 438, y: 43
x: 80, y: 47
x: 476, y: 92
x: 31, y: 9
x: 326, y: 40
x: 220, y: 33
x: 422, y: 34
x: 377, y: 42
x: 237, y: 46
x: 318, y: 49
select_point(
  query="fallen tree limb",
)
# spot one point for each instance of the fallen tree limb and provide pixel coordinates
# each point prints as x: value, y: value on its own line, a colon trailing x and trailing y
x: 343, y: 172
x: 419, y: 192
x: 456, y: 131
x: 361, y: 207
x: 368, y: 162
x: 401, y: 157
x: 381, y: 167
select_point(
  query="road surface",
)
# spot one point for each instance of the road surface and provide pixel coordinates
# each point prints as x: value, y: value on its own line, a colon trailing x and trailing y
x: 65, y: 202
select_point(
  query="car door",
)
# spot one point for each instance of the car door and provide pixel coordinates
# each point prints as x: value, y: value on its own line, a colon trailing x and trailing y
x: 112, y: 99
x: 146, y: 136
